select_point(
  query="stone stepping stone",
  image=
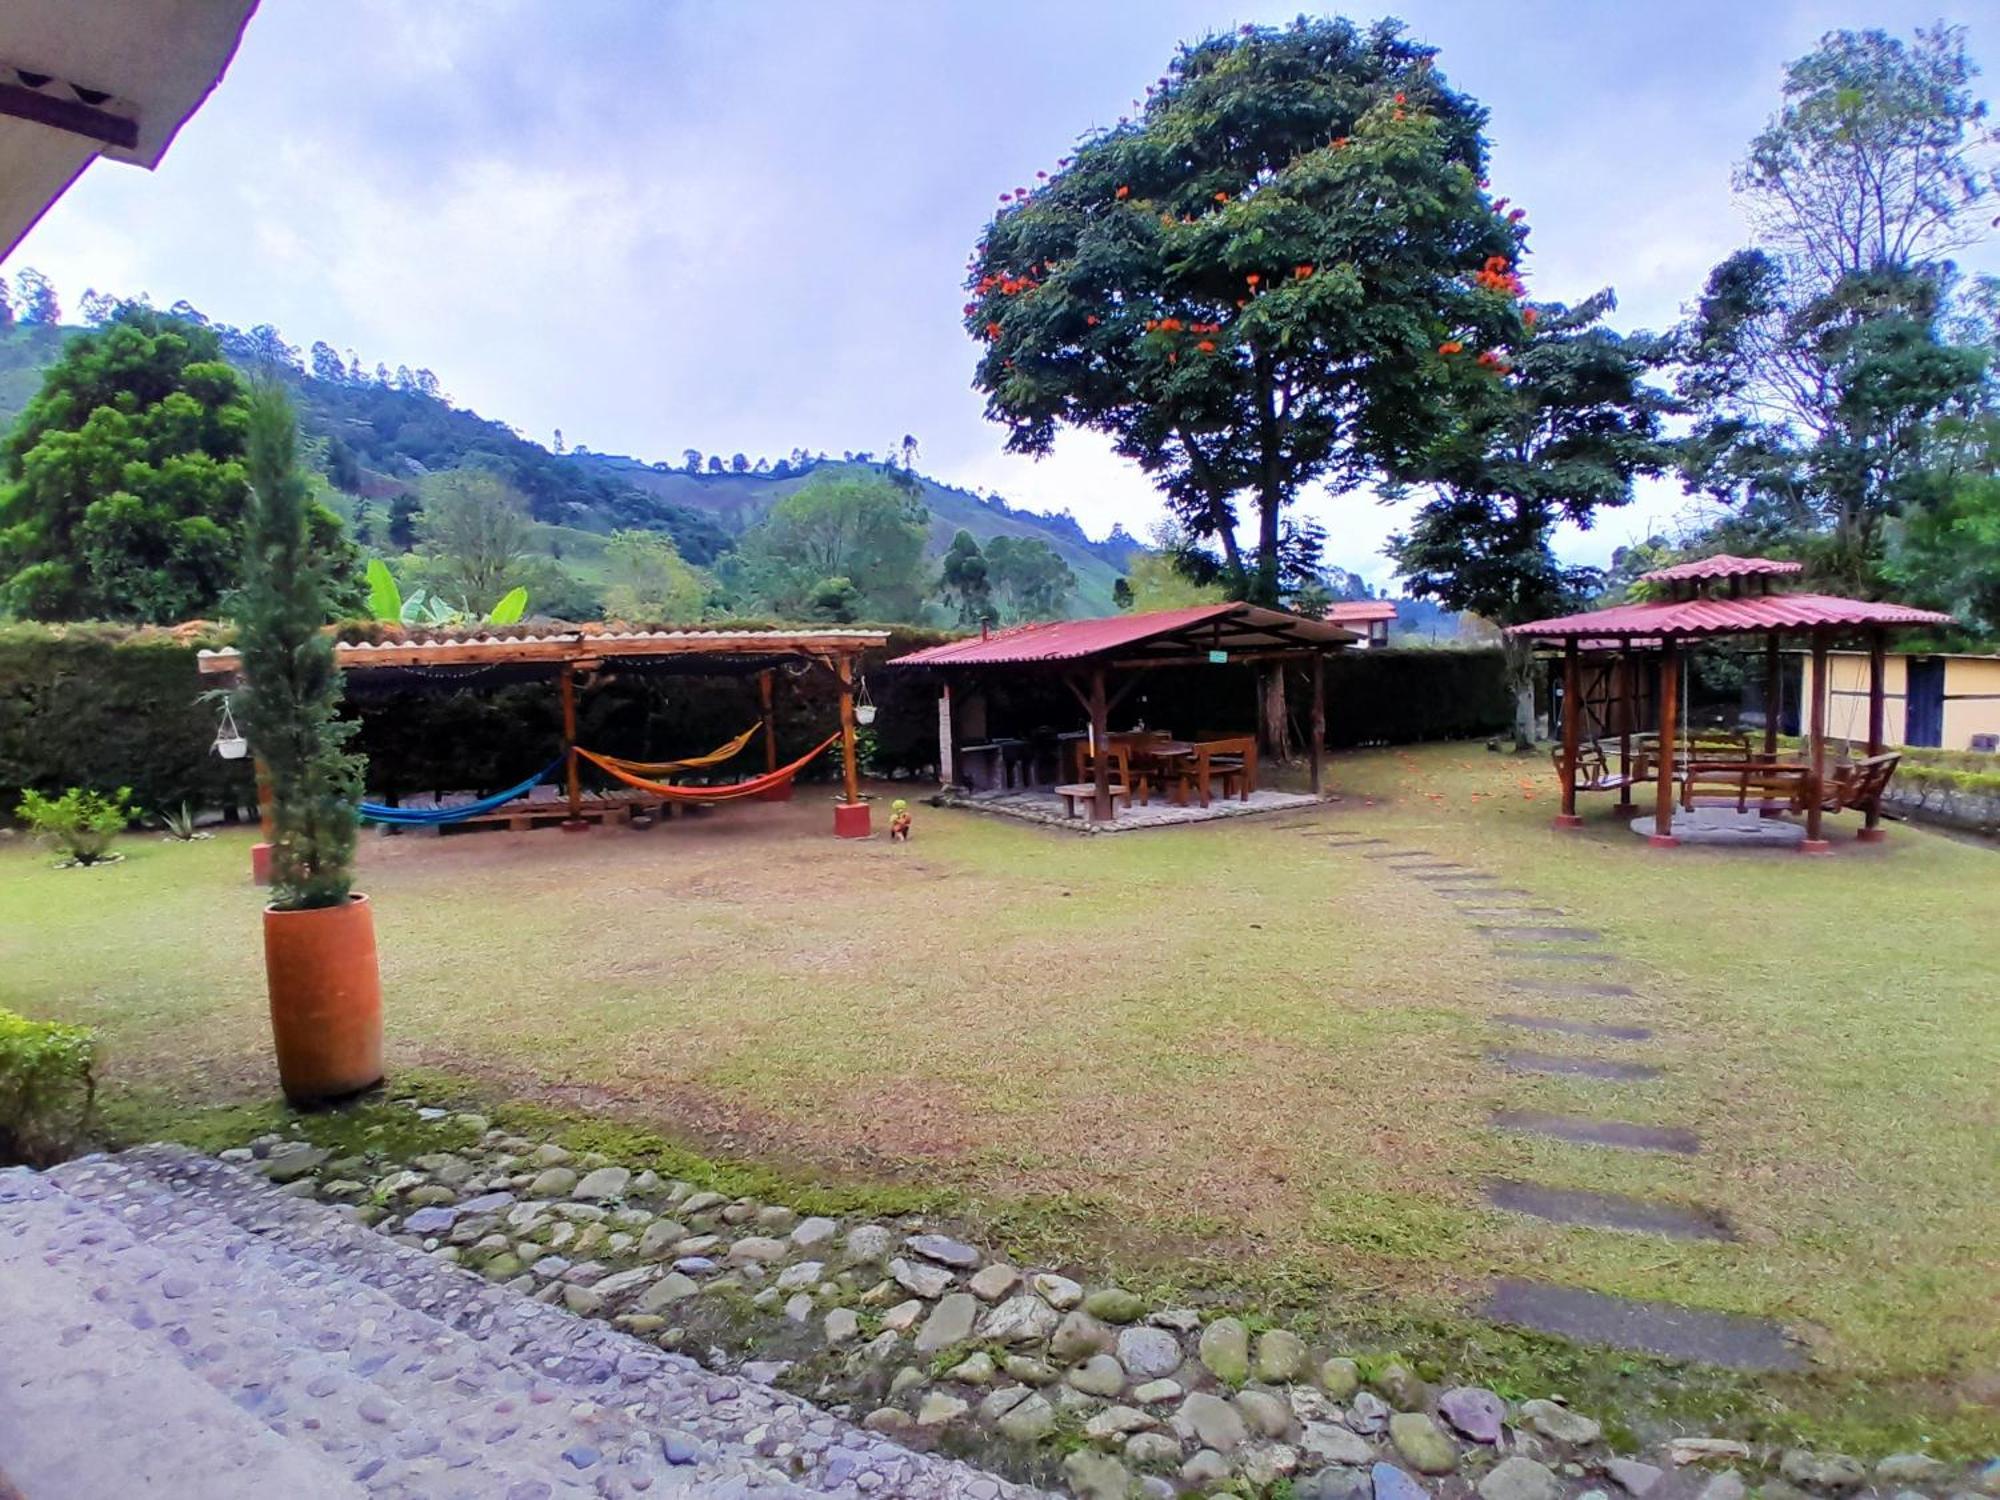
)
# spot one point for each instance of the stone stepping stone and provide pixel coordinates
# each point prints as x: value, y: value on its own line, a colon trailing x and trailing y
x: 1574, y: 1067
x: 1588, y: 1210
x: 1346, y: 840
x: 1578, y: 1028
x: 1395, y: 853
x: 1663, y: 1328
x: 1554, y: 955
x: 1445, y: 874
x: 1583, y: 991
x: 1505, y: 912
x: 1545, y: 934
x: 1583, y: 1130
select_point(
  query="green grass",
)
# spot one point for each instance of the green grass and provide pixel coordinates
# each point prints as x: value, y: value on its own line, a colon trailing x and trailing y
x: 1221, y: 1062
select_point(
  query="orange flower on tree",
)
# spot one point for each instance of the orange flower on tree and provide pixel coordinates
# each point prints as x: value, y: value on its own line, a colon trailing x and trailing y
x: 993, y: 330
x: 1222, y: 197
x: 1123, y: 192
x: 1206, y: 346
x: 1301, y: 272
x: 1451, y: 346
x: 1253, y: 278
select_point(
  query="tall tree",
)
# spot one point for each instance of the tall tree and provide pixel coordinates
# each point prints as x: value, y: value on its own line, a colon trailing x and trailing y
x: 1029, y: 577
x: 1246, y: 286
x: 326, y: 363
x: 650, y: 583
x: 37, y: 295
x: 963, y: 580
x: 1817, y: 362
x: 475, y: 536
x: 121, y: 489
x: 1554, y: 431
x: 856, y: 528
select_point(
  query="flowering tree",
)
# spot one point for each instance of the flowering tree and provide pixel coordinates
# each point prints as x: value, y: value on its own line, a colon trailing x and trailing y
x: 1257, y: 285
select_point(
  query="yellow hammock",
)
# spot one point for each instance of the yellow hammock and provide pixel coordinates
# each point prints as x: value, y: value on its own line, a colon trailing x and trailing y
x: 749, y: 788
x: 714, y: 757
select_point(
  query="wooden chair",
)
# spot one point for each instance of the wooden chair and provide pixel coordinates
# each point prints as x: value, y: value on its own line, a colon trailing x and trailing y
x: 1594, y: 772
x: 1119, y: 775
x: 1858, y: 785
x: 1232, y: 760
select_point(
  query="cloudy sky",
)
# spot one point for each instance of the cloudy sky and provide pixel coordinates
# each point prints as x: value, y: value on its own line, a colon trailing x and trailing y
x: 657, y: 224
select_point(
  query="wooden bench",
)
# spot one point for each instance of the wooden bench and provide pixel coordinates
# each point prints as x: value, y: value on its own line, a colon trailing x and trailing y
x: 1085, y: 792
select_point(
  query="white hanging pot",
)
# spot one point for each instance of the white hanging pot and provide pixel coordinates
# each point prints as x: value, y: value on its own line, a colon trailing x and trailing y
x: 864, y: 713
x: 229, y: 741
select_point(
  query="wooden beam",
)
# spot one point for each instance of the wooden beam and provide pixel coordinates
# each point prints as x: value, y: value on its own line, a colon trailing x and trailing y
x: 852, y: 771
x: 1628, y: 684
x: 1318, y: 751
x: 1670, y: 709
x: 1572, y: 732
x: 1100, y: 747
x: 575, y: 821
x: 1774, y: 692
x: 71, y: 116
x: 766, y: 697
x: 1816, y: 778
x: 1878, y: 675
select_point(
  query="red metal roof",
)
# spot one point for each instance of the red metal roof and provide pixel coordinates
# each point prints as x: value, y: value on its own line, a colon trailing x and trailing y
x: 1723, y: 565
x: 1237, y: 627
x: 1705, y: 617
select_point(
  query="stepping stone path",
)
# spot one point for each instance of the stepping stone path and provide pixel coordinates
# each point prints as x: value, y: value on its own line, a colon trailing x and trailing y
x: 197, y: 1331
x: 1662, y: 1328
x: 1505, y: 915
x: 1578, y: 1028
x: 1585, y: 1130
x: 1605, y: 1211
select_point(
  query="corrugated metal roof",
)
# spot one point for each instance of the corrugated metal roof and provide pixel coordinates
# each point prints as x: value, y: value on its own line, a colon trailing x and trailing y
x: 444, y: 647
x: 1706, y: 617
x: 1361, y: 609
x: 1073, y: 640
x: 1723, y: 565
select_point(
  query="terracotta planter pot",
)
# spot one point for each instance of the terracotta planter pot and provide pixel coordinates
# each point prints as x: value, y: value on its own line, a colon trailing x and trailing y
x: 326, y: 1000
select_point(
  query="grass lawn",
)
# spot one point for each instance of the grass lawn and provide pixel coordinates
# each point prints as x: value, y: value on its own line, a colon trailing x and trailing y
x: 1222, y: 1059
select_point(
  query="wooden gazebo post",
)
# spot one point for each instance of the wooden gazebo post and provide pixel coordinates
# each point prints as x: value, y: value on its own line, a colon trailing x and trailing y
x: 1670, y: 711
x: 1572, y: 730
x: 574, y: 823
x: 1100, y: 746
x: 1878, y: 671
x: 850, y: 815
x: 1318, y: 718
x: 1628, y: 683
x: 1774, y: 693
x: 1815, y: 841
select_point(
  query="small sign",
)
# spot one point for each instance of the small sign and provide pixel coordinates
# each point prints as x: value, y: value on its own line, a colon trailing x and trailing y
x: 1217, y: 658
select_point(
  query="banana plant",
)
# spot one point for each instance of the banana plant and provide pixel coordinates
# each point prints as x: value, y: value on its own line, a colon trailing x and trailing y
x: 387, y: 602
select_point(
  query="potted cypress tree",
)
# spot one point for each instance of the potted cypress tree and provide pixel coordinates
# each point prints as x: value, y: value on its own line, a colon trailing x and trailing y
x: 319, y: 934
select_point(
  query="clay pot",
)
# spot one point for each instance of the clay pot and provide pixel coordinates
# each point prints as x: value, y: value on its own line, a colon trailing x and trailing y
x: 326, y: 1000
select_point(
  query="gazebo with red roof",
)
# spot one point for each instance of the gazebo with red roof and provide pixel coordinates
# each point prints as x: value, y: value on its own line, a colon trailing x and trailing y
x: 1085, y: 652
x: 1710, y: 598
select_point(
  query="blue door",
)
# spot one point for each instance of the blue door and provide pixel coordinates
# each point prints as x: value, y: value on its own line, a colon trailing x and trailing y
x: 1923, y: 701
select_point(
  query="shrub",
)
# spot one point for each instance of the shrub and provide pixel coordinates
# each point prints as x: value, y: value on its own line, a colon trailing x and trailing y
x: 80, y: 823
x: 47, y: 1089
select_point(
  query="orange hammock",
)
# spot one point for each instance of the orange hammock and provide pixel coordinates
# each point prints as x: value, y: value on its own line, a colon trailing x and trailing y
x: 715, y: 757
x: 736, y: 789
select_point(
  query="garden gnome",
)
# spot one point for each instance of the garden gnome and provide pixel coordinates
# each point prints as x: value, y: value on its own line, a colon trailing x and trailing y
x: 899, y: 822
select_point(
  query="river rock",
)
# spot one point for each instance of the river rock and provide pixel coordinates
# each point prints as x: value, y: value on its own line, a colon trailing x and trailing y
x: 1392, y: 1483
x: 939, y: 1408
x: 944, y: 1250
x: 1560, y: 1424
x: 810, y: 1234
x: 1281, y: 1356
x: 1422, y: 1443
x: 870, y: 1244
x: 1114, y: 1305
x: 1149, y: 1352
x: 1211, y: 1421
x: 1116, y: 1421
x: 995, y: 1282
x: 841, y: 1325
x: 605, y: 1182
x: 977, y: 1370
x: 552, y: 1182
x: 1100, y: 1375
x: 950, y: 1323
x: 1265, y: 1414
x: 1910, y: 1468
x: 1028, y: 1420
x: 669, y: 1289
x: 1058, y: 1291
x: 1834, y: 1474
x: 926, y: 1281
x: 1336, y: 1484
x: 1096, y: 1476
x: 1023, y: 1319
x: 1225, y: 1350
x: 1331, y: 1444
x: 659, y: 1237
x: 1633, y: 1477
x: 1475, y: 1411
x: 1340, y: 1378
x: 1152, y: 1450
x: 1078, y: 1335
x: 1517, y: 1478
x: 1368, y: 1413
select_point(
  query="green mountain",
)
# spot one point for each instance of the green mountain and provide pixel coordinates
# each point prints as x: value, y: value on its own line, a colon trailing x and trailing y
x: 381, y: 437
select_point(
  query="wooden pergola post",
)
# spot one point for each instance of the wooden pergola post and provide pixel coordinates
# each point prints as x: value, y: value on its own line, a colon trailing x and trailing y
x: 267, y: 826
x: 1628, y: 682
x: 767, y: 685
x: 1774, y: 694
x: 574, y: 823
x: 1815, y: 842
x: 946, y: 770
x: 1318, y: 752
x: 1572, y: 730
x: 850, y: 815
x: 1670, y: 709
x: 1878, y: 673
x: 1100, y: 748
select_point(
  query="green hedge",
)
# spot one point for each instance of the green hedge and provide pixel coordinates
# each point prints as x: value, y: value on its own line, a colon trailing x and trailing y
x: 47, y: 1090
x: 104, y: 707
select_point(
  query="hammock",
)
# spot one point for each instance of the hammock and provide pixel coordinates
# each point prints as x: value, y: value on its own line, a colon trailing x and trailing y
x: 749, y: 788
x: 426, y: 817
x: 714, y: 757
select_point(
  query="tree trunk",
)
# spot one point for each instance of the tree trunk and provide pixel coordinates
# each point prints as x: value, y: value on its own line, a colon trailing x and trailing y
x: 1275, y: 731
x: 1520, y: 665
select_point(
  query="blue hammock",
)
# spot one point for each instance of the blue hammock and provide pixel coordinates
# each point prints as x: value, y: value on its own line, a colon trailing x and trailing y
x: 428, y: 817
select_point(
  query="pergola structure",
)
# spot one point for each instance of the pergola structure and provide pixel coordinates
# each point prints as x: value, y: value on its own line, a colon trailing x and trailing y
x: 1086, y: 653
x: 536, y: 652
x: 1708, y: 599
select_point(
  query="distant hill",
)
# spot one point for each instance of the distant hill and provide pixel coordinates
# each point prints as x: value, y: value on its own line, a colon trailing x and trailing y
x: 381, y: 439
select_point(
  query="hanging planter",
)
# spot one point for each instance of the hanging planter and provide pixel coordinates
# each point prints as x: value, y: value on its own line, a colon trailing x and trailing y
x: 864, y: 710
x: 229, y: 741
